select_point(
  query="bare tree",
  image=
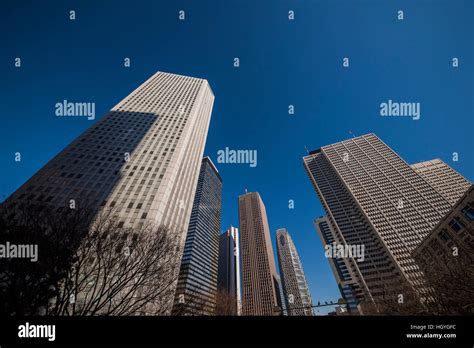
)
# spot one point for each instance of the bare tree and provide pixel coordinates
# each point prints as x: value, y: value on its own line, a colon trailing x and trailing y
x: 448, y: 290
x: 87, y: 265
x: 226, y: 304
x: 25, y: 286
x: 394, y: 299
x: 452, y: 286
x: 119, y: 271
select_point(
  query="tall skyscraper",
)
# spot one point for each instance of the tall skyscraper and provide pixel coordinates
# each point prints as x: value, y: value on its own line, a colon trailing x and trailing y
x: 343, y: 268
x: 444, y: 179
x: 295, y: 288
x: 228, y: 283
x: 197, y: 282
x: 141, y: 159
x: 375, y: 199
x: 260, y: 293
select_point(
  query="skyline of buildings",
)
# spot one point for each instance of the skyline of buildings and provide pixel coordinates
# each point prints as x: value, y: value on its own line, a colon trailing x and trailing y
x: 197, y: 282
x: 272, y: 96
x: 134, y: 162
x: 143, y: 161
x: 295, y: 288
x: 375, y: 199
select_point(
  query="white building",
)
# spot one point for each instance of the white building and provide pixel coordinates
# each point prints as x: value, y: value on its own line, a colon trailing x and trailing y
x: 142, y: 159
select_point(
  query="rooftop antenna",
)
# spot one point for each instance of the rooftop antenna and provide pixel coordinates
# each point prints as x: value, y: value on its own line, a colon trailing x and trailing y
x: 350, y: 132
x: 245, y: 190
x: 307, y: 151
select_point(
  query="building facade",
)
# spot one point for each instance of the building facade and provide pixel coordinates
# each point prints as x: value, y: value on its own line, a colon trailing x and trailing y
x: 444, y: 179
x: 260, y: 293
x: 449, y: 248
x: 295, y: 288
x: 376, y: 200
x: 343, y: 268
x: 141, y: 160
x: 456, y: 229
x: 197, y: 283
x: 228, y: 282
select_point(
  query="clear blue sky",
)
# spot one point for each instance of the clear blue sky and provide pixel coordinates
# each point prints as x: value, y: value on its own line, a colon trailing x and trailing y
x: 282, y: 62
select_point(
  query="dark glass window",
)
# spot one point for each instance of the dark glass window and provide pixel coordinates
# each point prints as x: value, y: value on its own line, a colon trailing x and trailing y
x: 456, y: 225
x: 468, y: 211
x: 444, y: 236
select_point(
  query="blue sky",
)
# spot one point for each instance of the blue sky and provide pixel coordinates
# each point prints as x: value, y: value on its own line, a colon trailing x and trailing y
x: 282, y: 62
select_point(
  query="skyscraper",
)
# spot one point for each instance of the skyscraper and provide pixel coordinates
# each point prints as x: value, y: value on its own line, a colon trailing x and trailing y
x: 375, y: 199
x: 197, y: 282
x: 141, y: 159
x: 295, y: 289
x: 260, y: 294
x: 343, y: 268
x: 228, y: 283
x: 444, y: 179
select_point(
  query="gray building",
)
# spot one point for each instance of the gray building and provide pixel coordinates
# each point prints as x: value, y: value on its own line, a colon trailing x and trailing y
x: 228, y: 281
x: 375, y: 200
x: 295, y: 288
x: 197, y: 283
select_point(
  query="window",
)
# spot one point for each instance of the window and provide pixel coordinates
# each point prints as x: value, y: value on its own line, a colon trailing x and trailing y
x: 444, y: 236
x: 456, y: 225
x: 468, y: 211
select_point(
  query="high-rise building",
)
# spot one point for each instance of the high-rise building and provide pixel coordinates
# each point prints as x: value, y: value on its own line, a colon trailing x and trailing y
x: 295, y: 288
x: 260, y: 293
x: 444, y: 179
x: 343, y: 268
x: 141, y: 159
x: 376, y: 200
x: 228, y: 281
x: 197, y: 283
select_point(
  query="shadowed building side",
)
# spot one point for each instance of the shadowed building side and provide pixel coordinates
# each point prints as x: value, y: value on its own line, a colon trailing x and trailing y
x: 343, y: 268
